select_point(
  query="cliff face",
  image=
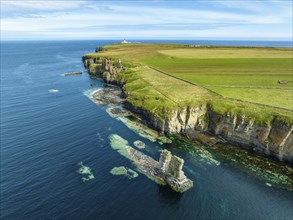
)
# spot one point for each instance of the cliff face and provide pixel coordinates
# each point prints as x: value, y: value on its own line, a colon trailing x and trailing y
x: 274, y: 140
x: 103, y: 67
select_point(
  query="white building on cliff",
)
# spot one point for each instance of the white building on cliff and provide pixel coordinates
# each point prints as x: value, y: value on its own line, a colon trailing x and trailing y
x: 124, y: 42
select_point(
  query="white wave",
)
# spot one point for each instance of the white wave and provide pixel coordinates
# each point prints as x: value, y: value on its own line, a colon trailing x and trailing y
x: 53, y: 90
x: 90, y: 92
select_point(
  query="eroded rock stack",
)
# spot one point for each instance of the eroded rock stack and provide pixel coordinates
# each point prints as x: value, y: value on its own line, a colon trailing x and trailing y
x: 171, y: 166
x: 167, y: 171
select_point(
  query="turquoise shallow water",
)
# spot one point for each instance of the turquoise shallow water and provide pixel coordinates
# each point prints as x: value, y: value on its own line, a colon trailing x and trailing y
x: 49, y: 125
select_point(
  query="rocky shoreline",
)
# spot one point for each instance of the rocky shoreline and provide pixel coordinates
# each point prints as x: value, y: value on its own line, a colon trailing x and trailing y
x: 204, y: 124
x: 208, y: 150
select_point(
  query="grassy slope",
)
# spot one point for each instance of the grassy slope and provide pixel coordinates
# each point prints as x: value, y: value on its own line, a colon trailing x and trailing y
x: 159, y: 93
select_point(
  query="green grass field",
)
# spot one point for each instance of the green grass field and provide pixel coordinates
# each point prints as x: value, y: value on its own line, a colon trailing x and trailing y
x: 227, y: 52
x: 236, y: 71
x: 235, y: 77
x: 248, y: 74
x: 258, y: 95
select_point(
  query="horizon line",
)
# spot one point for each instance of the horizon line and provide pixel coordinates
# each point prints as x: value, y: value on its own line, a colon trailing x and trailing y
x: 165, y: 39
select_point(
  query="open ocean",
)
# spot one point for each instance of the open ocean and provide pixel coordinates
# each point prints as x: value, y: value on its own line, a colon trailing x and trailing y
x: 49, y: 126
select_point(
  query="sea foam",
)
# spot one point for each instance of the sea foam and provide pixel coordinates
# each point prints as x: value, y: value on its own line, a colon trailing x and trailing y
x: 53, y: 90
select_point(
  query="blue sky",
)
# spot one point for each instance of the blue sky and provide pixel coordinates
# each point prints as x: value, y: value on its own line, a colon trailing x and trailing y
x: 205, y: 19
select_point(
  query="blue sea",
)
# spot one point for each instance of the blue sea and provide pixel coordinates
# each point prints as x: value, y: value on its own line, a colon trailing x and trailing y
x: 49, y: 126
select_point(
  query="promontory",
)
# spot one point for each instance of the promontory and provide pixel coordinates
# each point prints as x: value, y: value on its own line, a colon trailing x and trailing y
x: 241, y: 95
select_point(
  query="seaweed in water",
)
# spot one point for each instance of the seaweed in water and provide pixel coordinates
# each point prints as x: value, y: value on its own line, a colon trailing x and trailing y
x: 198, y: 152
x: 86, y: 172
x: 119, y: 144
x: 129, y: 173
x: 144, y: 131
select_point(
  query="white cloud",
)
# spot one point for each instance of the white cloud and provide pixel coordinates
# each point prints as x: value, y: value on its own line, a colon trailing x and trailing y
x: 58, y: 19
x: 46, y: 5
x: 255, y: 5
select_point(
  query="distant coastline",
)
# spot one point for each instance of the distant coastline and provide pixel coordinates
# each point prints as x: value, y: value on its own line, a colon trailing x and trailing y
x: 240, y: 43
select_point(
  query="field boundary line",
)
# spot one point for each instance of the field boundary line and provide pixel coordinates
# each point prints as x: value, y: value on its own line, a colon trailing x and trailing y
x: 238, y: 100
x: 248, y: 87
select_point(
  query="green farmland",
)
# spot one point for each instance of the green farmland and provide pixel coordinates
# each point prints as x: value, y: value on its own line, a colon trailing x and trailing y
x: 217, y: 75
x: 249, y: 79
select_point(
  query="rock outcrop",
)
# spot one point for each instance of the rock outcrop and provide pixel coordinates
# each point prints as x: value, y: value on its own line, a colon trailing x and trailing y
x: 72, y: 74
x: 103, y: 67
x: 98, y: 49
x: 110, y: 96
x: 274, y: 139
x: 171, y: 166
x: 167, y: 170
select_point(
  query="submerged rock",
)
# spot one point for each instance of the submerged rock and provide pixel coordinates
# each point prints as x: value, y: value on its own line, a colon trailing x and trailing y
x: 119, y: 144
x: 167, y: 171
x: 139, y: 144
x: 272, y: 172
x: 198, y: 151
x: 72, y: 74
x: 119, y: 171
x: 124, y: 171
x: 86, y: 172
x: 89, y: 177
x: 144, y: 131
x: 100, y: 137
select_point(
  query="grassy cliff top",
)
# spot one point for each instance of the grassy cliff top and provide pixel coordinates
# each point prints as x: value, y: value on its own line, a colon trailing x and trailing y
x: 141, y: 50
x: 198, y: 75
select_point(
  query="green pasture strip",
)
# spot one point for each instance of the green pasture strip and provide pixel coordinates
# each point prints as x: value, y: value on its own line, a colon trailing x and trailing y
x: 274, y: 97
x: 228, y: 52
x: 262, y: 66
